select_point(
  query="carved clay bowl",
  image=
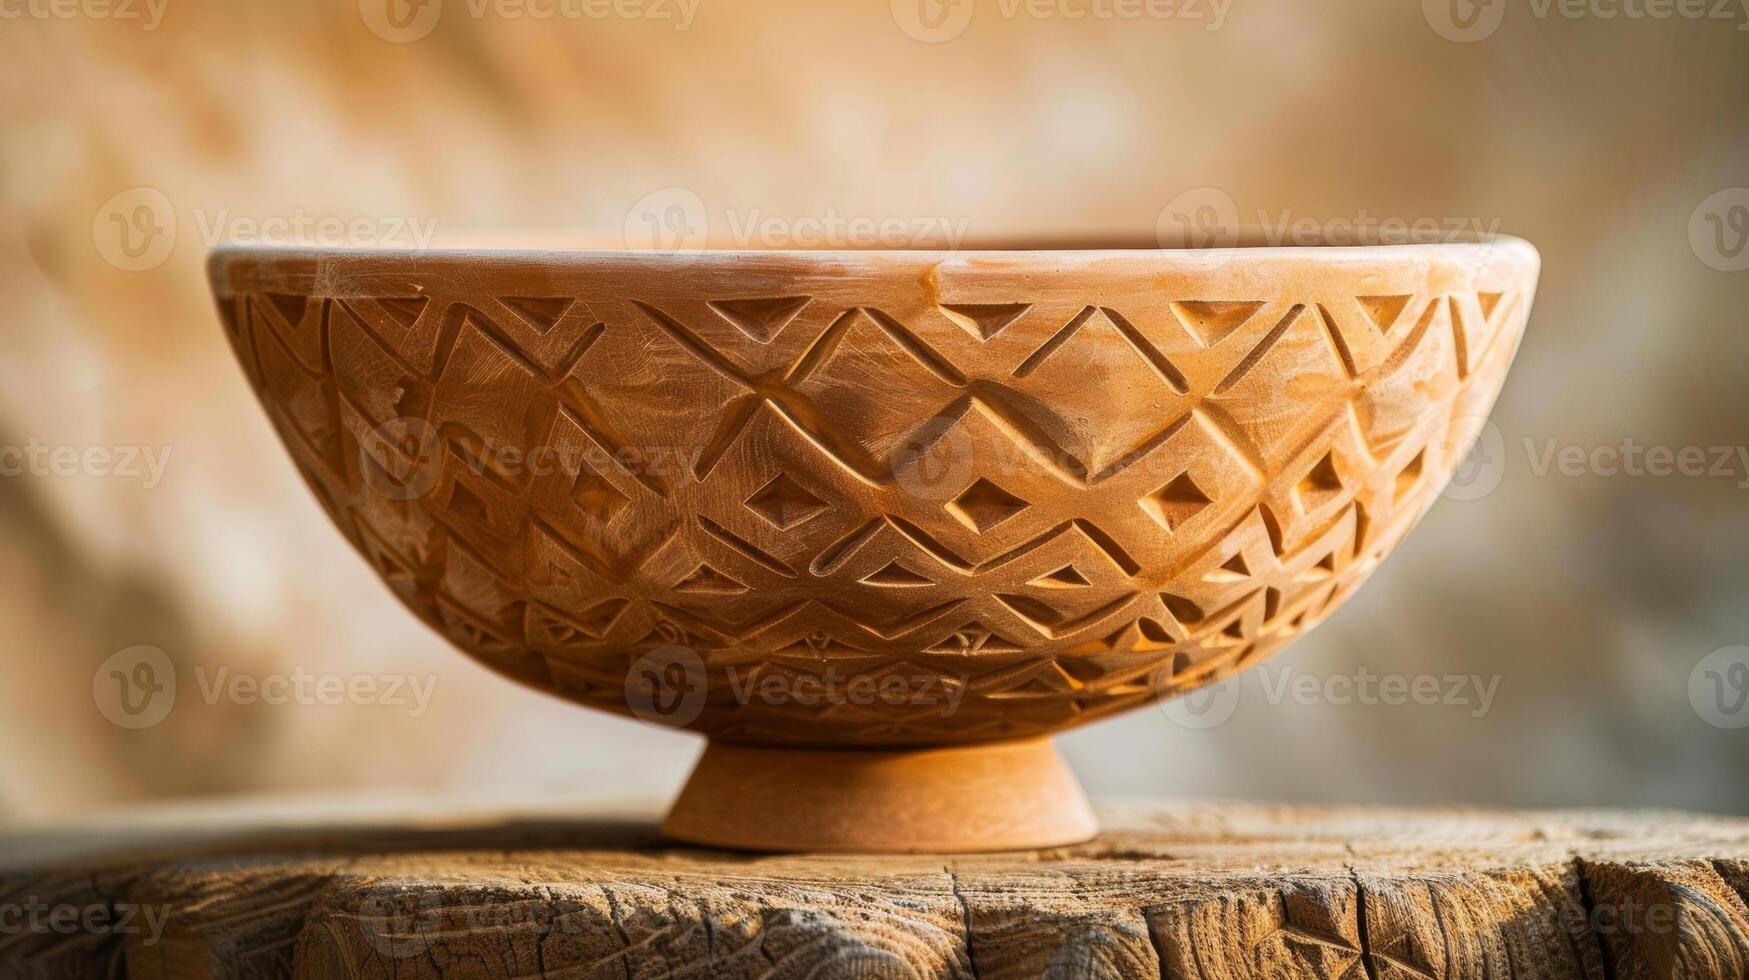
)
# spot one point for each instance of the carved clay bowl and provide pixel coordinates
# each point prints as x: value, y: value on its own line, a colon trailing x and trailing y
x: 877, y: 523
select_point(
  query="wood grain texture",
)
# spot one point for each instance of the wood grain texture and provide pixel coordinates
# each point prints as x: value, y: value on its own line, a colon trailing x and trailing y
x: 1206, y: 891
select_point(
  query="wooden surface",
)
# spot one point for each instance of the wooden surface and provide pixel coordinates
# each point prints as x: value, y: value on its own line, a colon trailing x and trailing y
x: 1201, y: 891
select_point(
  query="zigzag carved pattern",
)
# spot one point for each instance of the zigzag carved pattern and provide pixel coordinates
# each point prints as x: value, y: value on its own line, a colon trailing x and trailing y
x: 1056, y: 509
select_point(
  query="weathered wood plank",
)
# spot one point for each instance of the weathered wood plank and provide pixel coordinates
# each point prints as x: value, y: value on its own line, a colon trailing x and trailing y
x: 1194, y: 892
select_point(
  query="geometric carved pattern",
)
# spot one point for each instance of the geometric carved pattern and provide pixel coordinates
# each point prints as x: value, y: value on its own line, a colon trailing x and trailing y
x: 1176, y: 502
x: 784, y: 503
x: 1056, y: 506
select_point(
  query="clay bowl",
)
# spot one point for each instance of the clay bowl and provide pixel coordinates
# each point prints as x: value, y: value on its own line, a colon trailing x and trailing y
x: 877, y: 523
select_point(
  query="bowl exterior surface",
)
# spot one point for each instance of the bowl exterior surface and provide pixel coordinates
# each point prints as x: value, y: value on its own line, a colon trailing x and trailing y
x: 876, y: 498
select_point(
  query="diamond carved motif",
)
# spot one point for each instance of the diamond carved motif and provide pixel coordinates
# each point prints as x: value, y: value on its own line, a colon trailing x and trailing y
x: 784, y: 503
x: 595, y: 496
x: 1320, y: 485
x: 1176, y: 502
x: 983, y: 505
x: 704, y: 578
x: 984, y: 320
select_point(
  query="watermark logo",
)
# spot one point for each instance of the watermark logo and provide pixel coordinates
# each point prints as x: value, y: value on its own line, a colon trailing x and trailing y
x: 135, y: 688
x: 147, y: 13
x: 757, y: 229
x: 1718, y: 230
x: 936, y: 461
x: 1204, y: 221
x: 679, y: 14
x: 398, y: 922
x: 400, y: 21
x: 936, y: 21
x: 1284, y: 227
x: 1468, y: 21
x: 1622, y: 915
x: 401, y: 459
x: 146, y: 464
x: 302, y: 687
x: 305, y: 228
x: 894, y: 689
x: 1718, y: 688
x: 1637, y: 461
x: 1472, y: 450
x: 932, y: 21
x: 1210, y: 706
x: 405, y: 459
x: 135, y: 230
x: 405, y: 21
x: 32, y: 916
x: 676, y: 219
x: 672, y: 219
x: 1464, y: 21
x: 668, y: 686
x: 1214, y: 705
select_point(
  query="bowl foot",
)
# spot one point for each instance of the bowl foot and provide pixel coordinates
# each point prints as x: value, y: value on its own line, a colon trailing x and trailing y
x: 989, y: 797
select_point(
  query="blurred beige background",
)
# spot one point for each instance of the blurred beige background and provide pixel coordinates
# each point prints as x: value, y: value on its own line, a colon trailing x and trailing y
x: 1586, y: 600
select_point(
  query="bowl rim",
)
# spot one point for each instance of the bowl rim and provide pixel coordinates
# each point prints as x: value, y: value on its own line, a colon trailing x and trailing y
x: 1491, y: 245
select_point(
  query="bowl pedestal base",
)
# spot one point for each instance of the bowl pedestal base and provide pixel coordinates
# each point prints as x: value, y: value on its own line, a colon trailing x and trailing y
x: 985, y: 797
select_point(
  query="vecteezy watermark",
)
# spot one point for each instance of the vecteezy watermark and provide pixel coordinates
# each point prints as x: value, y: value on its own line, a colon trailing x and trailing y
x: 39, y: 459
x: 1209, y: 217
x: 1474, y: 692
x: 31, y: 916
x: 1203, y: 222
x: 676, y: 219
x: 403, y: 459
x: 403, y: 21
x: 303, y: 228
x: 136, y: 688
x: 671, y: 219
x: 1284, y: 227
x: 757, y: 229
x: 1209, y: 706
x: 936, y: 461
x: 832, y: 687
x: 668, y: 686
x: 147, y: 13
x: 937, y: 21
x: 1468, y: 21
x: 400, y: 21
x: 671, y: 686
x: 1215, y: 704
x: 406, y: 458
x: 1206, y: 223
x: 1475, y: 453
x: 301, y: 687
x: 1621, y: 914
x: 136, y: 230
x: 400, y: 920
x: 1631, y: 459
x: 1718, y: 230
x: 1718, y: 687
